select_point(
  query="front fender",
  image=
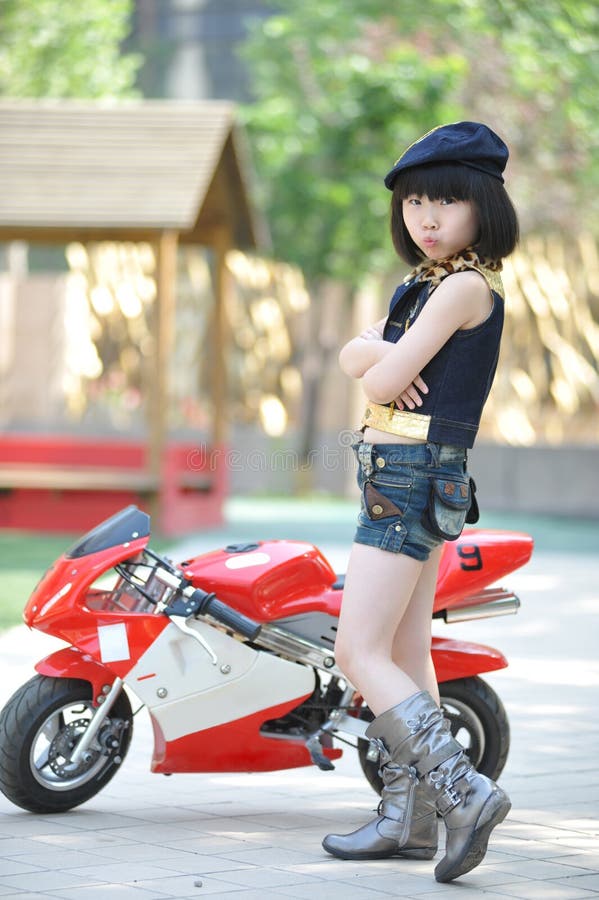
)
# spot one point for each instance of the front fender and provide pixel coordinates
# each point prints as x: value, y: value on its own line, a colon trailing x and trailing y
x: 461, y: 659
x: 72, y: 663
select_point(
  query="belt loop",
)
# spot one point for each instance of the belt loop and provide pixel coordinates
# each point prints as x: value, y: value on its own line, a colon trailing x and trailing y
x: 365, y: 457
x: 433, y: 449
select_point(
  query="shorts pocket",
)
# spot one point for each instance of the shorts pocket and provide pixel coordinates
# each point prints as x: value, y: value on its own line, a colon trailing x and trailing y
x: 377, y: 505
x: 448, y: 503
x: 384, y: 501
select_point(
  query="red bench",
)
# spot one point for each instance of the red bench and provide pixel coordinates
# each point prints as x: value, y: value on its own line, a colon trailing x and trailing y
x: 59, y: 483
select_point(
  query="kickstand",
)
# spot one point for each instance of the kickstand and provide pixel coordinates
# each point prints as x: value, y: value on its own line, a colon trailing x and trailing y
x: 313, y: 743
x: 315, y: 750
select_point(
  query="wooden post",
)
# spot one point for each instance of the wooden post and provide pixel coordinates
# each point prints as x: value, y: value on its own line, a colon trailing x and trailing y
x: 220, y: 335
x: 163, y: 328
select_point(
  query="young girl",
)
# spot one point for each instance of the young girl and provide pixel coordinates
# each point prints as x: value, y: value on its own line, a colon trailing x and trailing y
x: 426, y: 370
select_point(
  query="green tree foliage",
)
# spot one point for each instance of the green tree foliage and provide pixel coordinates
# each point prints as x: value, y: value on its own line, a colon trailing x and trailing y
x: 57, y: 48
x: 343, y: 85
x: 337, y: 100
x: 533, y: 72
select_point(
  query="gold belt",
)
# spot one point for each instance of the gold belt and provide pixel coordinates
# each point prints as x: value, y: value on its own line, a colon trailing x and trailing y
x: 396, y: 421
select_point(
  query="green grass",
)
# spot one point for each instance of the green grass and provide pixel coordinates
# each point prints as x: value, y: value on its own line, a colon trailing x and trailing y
x: 24, y: 558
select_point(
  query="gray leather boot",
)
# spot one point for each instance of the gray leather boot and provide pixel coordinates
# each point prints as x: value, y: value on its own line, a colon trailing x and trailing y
x: 471, y: 804
x: 406, y: 824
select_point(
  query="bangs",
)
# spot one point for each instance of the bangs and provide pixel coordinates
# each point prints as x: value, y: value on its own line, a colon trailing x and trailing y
x: 437, y: 181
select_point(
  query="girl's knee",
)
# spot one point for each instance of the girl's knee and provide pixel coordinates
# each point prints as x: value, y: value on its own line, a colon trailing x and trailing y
x: 360, y: 660
x: 344, y: 657
x: 351, y: 657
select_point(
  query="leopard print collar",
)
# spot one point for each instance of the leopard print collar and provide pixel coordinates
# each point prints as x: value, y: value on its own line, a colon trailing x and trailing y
x: 435, y: 270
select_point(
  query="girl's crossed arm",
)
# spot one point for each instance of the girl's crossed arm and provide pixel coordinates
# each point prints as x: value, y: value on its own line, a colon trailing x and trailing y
x: 362, y: 352
x: 462, y: 300
x: 369, y: 348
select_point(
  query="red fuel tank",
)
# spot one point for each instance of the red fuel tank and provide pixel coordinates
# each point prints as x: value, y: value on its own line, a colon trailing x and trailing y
x: 266, y: 580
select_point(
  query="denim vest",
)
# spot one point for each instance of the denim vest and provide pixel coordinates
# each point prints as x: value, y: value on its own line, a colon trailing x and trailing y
x: 460, y: 375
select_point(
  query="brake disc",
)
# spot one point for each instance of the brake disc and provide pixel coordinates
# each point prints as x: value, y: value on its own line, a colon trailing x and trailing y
x: 63, y: 744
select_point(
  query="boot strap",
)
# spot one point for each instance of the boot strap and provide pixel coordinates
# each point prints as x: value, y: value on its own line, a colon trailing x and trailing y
x: 402, y: 728
x: 438, y: 757
x: 389, y: 810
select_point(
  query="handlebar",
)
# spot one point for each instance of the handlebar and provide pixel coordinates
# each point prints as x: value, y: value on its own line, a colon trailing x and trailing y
x: 229, y: 616
x: 195, y: 601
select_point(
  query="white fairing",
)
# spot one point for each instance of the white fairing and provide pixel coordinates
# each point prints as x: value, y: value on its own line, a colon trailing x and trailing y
x: 186, y: 692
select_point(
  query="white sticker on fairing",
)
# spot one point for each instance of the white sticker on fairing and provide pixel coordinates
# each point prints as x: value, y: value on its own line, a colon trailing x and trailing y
x: 55, y: 598
x: 245, y: 560
x: 113, y: 642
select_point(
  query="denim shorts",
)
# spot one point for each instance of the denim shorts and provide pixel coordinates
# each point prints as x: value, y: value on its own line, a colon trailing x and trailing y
x: 399, y: 482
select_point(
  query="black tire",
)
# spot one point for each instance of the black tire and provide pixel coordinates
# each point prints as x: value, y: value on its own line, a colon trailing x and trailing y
x: 478, y: 721
x: 39, y: 725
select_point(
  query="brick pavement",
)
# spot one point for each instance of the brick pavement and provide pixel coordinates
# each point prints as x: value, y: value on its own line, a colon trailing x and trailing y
x: 258, y: 836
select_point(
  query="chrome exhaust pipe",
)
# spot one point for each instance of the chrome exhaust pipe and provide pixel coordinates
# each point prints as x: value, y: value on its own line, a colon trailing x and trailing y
x: 484, y: 605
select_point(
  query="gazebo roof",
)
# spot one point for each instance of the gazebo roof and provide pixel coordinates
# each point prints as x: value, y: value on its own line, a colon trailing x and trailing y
x: 77, y: 169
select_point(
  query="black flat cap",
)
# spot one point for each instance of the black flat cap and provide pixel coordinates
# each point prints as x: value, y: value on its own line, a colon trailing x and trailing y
x: 469, y: 143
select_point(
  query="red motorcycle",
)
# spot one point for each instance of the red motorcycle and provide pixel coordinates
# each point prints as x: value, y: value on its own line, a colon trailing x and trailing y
x: 232, y: 652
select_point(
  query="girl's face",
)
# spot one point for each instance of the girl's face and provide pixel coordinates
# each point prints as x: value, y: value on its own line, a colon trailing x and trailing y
x: 442, y: 227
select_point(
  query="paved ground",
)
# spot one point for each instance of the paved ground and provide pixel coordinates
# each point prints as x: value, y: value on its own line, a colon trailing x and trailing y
x: 258, y: 836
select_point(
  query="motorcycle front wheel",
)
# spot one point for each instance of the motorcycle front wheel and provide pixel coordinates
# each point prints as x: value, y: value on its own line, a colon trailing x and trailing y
x: 478, y: 721
x: 40, y: 726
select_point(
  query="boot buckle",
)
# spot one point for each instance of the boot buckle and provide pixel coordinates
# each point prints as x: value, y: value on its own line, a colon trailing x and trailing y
x: 439, y: 778
x: 377, y: 752
x: 373, y: 753
x: 448, y: 800
x: 413, y: 773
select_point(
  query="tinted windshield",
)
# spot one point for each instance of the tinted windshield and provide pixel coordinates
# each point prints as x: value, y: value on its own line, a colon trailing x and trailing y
x: 126, y: 525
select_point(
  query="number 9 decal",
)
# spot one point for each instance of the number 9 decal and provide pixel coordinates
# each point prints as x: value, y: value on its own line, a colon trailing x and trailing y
x: 471, y: 557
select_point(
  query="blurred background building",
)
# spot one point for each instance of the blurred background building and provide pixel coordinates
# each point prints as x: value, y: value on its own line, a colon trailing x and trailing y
x: 191, y: 47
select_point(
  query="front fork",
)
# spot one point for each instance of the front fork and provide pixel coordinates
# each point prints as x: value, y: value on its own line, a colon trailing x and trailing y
x: 81, y: 751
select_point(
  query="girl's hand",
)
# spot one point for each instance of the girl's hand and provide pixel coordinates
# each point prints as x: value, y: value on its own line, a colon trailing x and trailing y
x: 411, y: 398
x: 372, y: 334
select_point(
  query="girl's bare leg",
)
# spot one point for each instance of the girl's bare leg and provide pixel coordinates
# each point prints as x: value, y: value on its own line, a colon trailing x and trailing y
x: 412, y: 642
x: 378, y: 588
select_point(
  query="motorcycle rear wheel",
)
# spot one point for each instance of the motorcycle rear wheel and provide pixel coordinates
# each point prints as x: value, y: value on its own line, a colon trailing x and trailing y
x: 39, y: 726
x: 478, y: 721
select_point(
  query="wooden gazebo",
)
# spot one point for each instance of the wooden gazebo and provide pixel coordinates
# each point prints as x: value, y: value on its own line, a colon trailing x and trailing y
x: 161, y: 172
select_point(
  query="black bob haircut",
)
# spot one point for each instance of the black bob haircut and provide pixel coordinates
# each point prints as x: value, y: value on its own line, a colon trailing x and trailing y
x: 499, y: 232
